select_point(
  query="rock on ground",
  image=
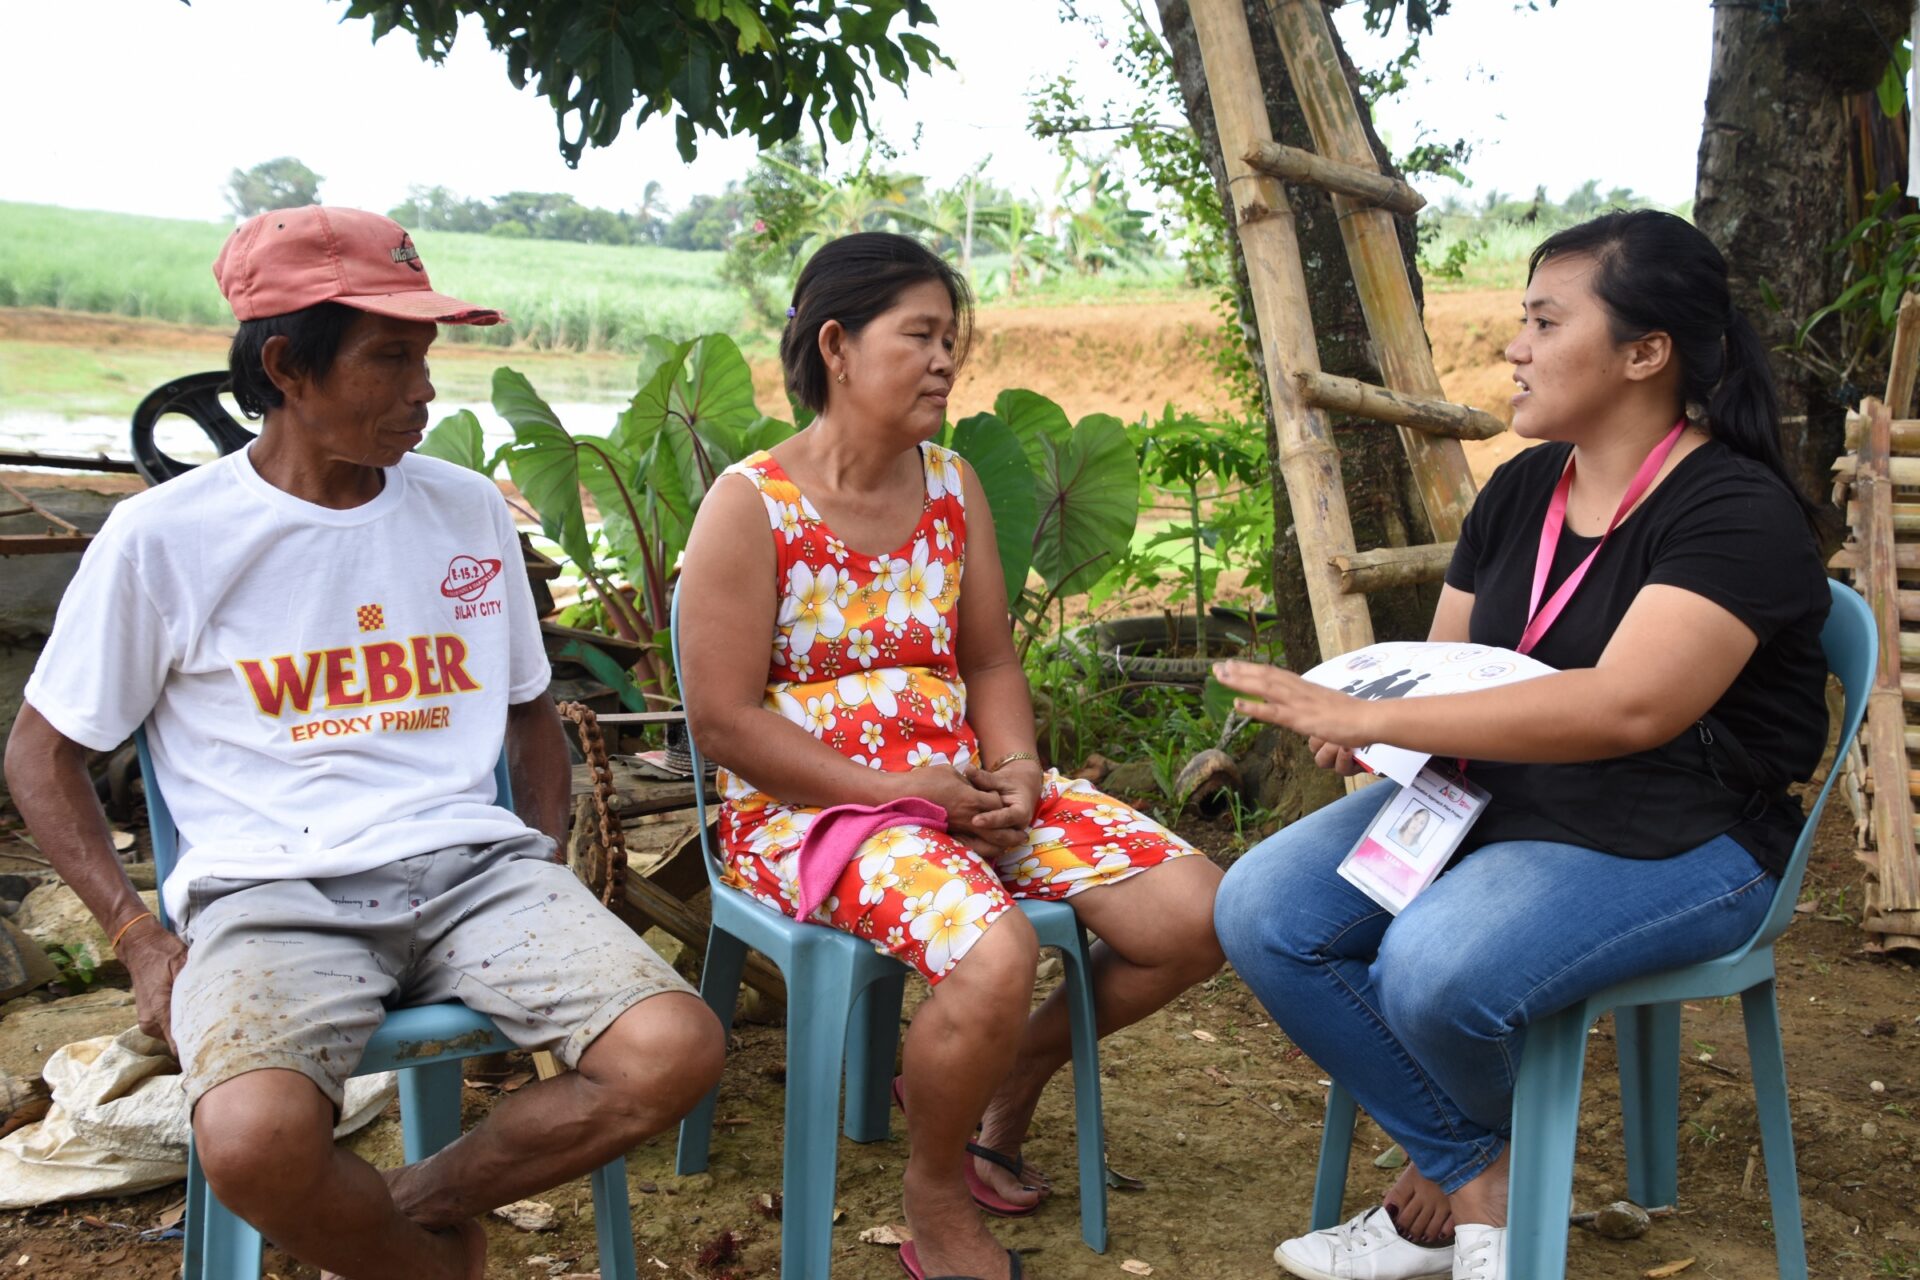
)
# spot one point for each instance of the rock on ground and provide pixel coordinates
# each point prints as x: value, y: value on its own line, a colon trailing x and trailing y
x: 31, y: 1031
x: 54, y: 916
x: 23, y: 962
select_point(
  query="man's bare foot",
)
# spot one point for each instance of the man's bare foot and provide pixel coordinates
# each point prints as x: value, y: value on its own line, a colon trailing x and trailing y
x: 948, y: 1235
x: 1420, y: 1210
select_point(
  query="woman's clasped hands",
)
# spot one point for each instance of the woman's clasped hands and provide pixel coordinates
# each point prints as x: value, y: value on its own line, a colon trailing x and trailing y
x: 989, y: 811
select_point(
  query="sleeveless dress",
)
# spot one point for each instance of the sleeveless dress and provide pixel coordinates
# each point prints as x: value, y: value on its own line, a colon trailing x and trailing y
x: 863, y: 659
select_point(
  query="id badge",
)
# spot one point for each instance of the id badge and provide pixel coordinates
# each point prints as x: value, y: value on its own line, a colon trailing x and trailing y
x: 1405, y: 848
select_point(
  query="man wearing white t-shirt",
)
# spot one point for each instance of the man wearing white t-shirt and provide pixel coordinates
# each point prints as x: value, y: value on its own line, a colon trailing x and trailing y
x: 330, y: 639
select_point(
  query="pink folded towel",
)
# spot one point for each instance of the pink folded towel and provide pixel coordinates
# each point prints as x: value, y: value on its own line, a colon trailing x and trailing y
x: 835, y: 838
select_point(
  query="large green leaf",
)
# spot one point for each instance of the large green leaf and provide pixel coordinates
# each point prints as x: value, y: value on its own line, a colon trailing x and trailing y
x: 515, y: 400
x: 997, y: 458
x: 457, y: 439
x: 1089, y: 498
x: 764, y: 434
x: 1034, y: 420
x: 546, y: 469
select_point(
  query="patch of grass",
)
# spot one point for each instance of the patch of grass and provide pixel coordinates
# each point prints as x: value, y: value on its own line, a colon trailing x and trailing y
x: 558, y: 295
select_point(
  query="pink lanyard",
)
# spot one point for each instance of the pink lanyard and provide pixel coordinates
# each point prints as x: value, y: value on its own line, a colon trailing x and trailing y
x: 1540, y: 618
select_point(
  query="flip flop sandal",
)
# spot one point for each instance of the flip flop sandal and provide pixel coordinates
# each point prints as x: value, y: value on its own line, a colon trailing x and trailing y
x: 472, y: 1234
x: 989, y: 1200
x: 910, y: 1263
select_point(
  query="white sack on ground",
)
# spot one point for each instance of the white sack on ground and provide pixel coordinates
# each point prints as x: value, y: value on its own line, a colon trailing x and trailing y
x: 118, y: 1124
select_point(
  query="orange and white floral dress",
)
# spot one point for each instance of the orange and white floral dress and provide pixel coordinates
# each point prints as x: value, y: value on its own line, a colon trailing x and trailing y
x: 863, y: 659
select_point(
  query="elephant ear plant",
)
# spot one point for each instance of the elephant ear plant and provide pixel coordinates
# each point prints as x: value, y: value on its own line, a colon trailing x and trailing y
x: 693, y: 417
x: 1065, y: 498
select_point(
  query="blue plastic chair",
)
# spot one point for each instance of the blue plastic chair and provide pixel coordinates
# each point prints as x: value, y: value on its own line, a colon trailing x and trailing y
x: 843, y: 1009
x: 1646, y: 1023
x: 425, y: 1044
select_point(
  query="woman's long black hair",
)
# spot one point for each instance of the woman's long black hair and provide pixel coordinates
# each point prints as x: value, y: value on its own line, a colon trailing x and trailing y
x: 1658, y: 272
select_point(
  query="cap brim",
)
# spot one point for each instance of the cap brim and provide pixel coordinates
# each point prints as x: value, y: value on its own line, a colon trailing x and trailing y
x: 423, y: 304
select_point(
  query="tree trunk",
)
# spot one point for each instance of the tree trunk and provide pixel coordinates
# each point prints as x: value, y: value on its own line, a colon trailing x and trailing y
x: 1383, y: 503
x: 1782, y: 174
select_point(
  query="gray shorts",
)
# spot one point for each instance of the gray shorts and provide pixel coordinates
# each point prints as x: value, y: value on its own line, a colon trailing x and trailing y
x: 298, y: 973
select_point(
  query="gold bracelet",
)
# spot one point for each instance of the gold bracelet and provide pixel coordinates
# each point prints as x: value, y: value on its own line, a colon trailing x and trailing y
x: 1006, y: 760
x: 144, y: 915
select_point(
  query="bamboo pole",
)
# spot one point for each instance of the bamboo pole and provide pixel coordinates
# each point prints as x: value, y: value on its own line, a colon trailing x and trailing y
x: 1906, y: 517
x: 1904, y: 472
x: 1434, y: 417
x: 1373, y: 248
x: 1906, y: 432
x: 1904, y: 363
x: 1894, y: 868
x: 1370, y: 186
x: 1906, y: 558
x: 1366, y: 571
x: 1309, y: 462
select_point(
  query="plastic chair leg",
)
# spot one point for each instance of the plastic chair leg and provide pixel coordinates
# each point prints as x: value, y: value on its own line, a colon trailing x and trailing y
x: 613, y: 1221
x: 230, y: 1245
x: 720, y: 988
x: 193, y: 1226
x: 819, y: 1006
x: 1546, y: 1122
x: 872, y: 1038
x: 1648, y: 1039
x: 1769, y: 1064
x: 429, y: 1108
x: 1088, y: 1120
x: 1336, y: 1146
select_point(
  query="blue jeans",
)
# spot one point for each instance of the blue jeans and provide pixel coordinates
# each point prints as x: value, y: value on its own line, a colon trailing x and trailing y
x: 1422, y: 1015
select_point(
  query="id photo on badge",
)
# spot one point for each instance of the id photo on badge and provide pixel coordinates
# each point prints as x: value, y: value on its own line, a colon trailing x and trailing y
x: 1414, y: 827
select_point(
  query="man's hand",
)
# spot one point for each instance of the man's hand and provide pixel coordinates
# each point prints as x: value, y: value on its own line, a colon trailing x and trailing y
x: 153, y: 958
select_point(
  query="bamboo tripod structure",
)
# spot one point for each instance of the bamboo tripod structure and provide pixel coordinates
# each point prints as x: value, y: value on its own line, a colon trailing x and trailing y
x: 1879, y: 559
x: 1338, y: 574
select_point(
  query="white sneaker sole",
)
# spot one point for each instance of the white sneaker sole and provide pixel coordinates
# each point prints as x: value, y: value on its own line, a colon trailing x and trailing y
x: 1295, y: 1267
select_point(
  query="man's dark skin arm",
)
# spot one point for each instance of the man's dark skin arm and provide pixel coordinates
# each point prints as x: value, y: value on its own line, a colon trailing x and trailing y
x: 537, y: 762
x: 47, y: 774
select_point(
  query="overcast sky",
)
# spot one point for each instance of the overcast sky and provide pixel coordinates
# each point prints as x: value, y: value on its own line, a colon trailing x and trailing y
x: 147, y: 105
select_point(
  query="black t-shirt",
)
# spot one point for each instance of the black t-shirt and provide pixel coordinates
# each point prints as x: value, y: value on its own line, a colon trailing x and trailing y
x: 1723, y: 527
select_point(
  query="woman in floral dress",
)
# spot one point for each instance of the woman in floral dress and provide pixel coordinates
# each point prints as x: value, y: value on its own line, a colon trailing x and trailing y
x: 833, y: 658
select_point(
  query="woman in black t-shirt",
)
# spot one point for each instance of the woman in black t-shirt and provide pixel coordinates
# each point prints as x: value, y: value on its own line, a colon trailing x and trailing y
x: 1639, y: 815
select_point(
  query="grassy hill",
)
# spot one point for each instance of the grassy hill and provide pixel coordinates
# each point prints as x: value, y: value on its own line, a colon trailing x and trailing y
x: 558, y: 294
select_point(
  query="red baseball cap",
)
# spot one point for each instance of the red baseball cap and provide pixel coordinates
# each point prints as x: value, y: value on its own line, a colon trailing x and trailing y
x: 289, y: 259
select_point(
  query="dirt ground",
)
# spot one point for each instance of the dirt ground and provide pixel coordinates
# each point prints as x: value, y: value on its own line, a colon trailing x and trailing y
x: 1212, y: 1109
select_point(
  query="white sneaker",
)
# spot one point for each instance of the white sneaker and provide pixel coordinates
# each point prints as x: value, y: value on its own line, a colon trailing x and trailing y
x: 1479, y: 1253
x: 1366, y: 1248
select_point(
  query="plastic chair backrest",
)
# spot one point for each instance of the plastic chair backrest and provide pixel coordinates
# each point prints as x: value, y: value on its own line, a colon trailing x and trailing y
x: 710, y: 857
x: 166, y: 836
x: 1851, y: 642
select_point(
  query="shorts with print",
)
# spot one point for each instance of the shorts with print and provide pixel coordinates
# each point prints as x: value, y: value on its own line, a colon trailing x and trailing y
x: 297, y: 974
x: 924, y: 898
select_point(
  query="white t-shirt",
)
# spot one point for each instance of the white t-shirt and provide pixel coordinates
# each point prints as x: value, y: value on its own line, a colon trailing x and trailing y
x: 324, y: 691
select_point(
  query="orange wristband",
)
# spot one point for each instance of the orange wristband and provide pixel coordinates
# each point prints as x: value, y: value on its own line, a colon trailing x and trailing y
x: 144, y: 915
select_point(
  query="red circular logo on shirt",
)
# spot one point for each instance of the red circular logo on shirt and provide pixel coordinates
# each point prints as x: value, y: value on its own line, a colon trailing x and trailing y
x: 467, y: 578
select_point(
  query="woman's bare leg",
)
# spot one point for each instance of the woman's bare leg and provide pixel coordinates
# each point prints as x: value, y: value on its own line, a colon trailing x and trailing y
x: 1156, y: 941
x: 963, y: 1039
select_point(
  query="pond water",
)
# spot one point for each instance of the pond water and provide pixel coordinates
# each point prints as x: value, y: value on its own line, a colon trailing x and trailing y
x: 180, y: 437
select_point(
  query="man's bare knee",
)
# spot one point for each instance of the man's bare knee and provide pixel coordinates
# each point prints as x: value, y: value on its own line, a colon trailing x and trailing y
x: 261, y: 1135
x: 658, y: 1059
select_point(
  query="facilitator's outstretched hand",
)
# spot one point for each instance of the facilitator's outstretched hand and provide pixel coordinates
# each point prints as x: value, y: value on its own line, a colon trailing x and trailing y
x: 1279, y: 697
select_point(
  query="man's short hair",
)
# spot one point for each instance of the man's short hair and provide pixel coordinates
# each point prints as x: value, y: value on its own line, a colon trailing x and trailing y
x: 313, y: 337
